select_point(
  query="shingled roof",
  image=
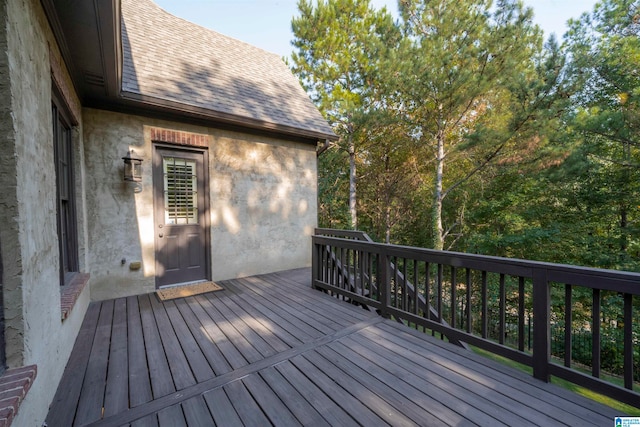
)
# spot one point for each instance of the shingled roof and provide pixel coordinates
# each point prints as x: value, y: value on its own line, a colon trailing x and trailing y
x: 168, y: 60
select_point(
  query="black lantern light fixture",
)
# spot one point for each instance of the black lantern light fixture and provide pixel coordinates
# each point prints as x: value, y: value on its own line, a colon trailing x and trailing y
x: 132, y: 167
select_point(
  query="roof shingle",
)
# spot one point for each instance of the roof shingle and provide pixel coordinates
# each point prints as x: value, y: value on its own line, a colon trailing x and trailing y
x: 168, y: 58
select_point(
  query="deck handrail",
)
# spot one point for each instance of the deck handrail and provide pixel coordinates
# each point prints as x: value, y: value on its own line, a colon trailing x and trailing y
x: 402, y: 279
x: 383, y: 271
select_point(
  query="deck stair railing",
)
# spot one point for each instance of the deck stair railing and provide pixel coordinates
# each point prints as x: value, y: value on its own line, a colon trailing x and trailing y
x: 468, y: 298
x: 355, y: 276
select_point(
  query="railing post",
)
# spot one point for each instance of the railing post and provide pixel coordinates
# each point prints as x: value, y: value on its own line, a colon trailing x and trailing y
x: 541, y: 324
x: 315, y: 264
x: 384, y: 286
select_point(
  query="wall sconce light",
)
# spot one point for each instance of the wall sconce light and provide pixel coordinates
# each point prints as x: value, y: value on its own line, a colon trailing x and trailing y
x: 132, y: 167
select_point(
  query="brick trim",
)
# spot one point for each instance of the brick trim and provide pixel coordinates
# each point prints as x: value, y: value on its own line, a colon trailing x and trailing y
x: 14, y: 385
x: 199, y: 140
x: 69, y: 293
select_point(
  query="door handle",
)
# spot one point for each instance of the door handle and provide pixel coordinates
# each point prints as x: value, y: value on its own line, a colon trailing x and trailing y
x: 161, y: 235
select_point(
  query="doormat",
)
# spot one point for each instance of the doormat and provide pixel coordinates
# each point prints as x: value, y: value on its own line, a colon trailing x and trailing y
x: 187, y: 290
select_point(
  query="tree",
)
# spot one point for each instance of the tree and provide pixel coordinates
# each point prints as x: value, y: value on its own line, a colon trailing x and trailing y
x: 519, y: 206
x: 604, y: 47
x: 388, y: 175
x: 575, y: 199
x: 333, y: 183
x: 338, y: 43
x: 454, y: 76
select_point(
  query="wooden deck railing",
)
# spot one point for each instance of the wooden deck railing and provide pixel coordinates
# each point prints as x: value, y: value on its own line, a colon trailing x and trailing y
x: 492, y: 303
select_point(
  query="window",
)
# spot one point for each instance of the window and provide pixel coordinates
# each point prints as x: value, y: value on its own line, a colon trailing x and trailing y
x: 180, y: 191
x: 67, y: 225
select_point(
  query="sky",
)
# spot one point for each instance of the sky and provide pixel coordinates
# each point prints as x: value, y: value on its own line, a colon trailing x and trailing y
x: 267, y: 23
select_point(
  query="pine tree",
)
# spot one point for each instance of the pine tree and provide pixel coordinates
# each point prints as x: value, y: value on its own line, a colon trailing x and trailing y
x: 604, y: 48
x: 337, y: 46
x: 454, y: 73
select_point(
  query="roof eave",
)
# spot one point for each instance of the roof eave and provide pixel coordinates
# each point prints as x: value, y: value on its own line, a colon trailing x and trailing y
x: 193, y: 112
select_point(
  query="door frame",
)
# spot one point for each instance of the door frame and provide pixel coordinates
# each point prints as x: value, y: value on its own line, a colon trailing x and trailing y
x: 158, y: 188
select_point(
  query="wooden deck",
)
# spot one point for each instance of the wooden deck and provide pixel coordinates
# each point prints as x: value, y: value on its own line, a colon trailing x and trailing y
x: 269, y: 350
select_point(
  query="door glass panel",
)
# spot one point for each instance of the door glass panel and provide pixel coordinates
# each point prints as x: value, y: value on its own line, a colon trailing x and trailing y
x: 180, y: 191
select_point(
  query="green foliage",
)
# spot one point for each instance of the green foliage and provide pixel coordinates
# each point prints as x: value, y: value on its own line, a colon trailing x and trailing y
x: 339, y: 45
x: 604, y: 48
x: 333, y: 190
x: 462, y: 73
x: 464, y: 131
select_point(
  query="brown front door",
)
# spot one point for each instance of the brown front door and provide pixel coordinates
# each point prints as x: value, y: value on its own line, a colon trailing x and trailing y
x: 180, y: 182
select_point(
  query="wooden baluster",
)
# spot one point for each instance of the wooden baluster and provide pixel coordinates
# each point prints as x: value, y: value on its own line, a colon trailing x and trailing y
x: 485, y: 313
x: 468, y: 302
x: 595, y: 328
x: 454, y: 295
x: 628, y: 341
x: 568, y: 326
x: 502, y: 303
x: 521, y: 309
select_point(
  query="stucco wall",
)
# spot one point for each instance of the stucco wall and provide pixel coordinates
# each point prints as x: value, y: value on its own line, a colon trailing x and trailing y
x: 262, y: 203
x: 35, y: 334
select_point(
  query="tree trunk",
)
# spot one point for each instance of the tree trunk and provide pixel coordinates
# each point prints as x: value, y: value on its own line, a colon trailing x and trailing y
x: 624, y: 205
x: 352, y: 184
x: 436, y: 212
x: 387, y: 223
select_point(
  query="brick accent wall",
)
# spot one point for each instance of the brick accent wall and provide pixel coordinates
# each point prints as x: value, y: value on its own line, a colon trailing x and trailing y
x: 71, y: 292
x: 14, y: 385
x: 180, y: 138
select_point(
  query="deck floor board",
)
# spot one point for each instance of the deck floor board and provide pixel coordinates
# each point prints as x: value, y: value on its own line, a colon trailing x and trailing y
x: 269, y: 350
x: 286, y: 331
x: 304, y: 313
x: 172, y: 416
x: 477, y: 382
x: 284, y: 318
x: 246, y: 407
x: 93, y: 388
x: 148, y: 421
x: 200, y: 367
x: 224, y: 414
x: 139, y: 380
x: 210, y: 350
x: 232, y: 355
x: 231, y: 334
x: 421, y: 378
x: 270, y: 403
x: 116, y: 397
x: 67, y: 397
x: 424, y: 408
x: 239, y: 322
x: 292, y: 399
x: 321, y: 402
x: 159, y: 372
x: 341, y: 314
x: 196, y: 412
x: 538, y: 397
x: 180, y: 370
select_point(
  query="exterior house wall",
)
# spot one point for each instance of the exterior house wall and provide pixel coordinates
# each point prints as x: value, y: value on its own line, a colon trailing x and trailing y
x: 263, y: 205
x: 262, y: 211
x: 262, y: 194
x: 34, y: 331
